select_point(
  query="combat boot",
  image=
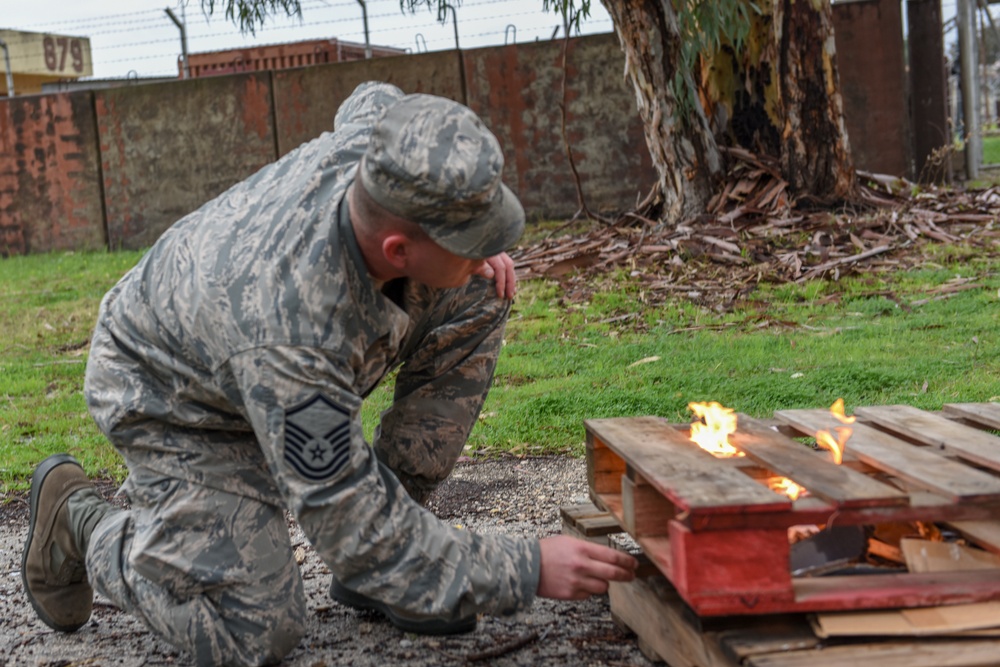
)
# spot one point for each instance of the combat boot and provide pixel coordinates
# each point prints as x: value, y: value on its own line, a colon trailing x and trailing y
x: 65, y: 508
x: 421, y: 625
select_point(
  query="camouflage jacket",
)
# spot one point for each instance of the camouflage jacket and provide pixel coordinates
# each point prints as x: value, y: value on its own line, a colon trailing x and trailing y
x: 257, y: 331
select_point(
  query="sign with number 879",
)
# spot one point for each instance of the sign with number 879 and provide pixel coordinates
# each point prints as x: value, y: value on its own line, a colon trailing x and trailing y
x: 55, y: 53
x: 48, y: 55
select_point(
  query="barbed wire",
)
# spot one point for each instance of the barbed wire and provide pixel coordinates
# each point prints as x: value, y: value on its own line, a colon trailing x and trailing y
x: 102, y: 30
x: 102, y: 21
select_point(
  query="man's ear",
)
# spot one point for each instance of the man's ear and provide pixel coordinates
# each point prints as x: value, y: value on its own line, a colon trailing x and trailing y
x: 394, y: 249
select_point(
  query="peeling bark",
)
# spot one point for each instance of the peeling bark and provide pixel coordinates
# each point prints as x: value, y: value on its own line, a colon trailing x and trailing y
x: 683, y: 150
x: 815, y: 155
x: 778, y: 96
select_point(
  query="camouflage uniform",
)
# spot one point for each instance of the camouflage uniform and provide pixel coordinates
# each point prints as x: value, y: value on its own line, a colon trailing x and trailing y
x: 228, y: 368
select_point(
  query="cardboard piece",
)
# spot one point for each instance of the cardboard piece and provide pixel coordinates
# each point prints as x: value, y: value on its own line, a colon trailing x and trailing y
x: 979, y: 619
x: 982, y: 618
x: 926, y: 556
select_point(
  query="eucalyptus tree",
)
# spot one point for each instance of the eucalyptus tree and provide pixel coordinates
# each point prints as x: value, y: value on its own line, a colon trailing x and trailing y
x: 760, y: 75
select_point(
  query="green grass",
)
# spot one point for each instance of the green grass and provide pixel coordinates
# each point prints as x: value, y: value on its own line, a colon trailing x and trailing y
x: 47, y: 308
x: 873, y: 339
x: 991, y: 150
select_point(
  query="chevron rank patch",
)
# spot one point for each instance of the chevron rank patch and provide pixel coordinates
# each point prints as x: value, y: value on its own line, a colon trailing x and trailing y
x: 317, y: 438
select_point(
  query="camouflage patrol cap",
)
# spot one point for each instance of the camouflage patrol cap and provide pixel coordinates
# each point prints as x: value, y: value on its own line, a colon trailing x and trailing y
x: 432, y: 161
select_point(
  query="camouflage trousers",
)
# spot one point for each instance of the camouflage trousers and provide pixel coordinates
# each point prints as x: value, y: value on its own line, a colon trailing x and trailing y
x: 211, y: 572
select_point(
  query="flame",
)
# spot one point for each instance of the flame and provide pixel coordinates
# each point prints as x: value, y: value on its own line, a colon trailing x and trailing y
x: 712, y: 428
x: 836, y: 447
x: 837, y: 410
x: 785, y: 486
x: 825, y: 440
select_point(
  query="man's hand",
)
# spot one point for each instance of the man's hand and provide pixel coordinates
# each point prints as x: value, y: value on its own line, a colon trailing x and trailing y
x: 501, y: 269
x: 575, y: 569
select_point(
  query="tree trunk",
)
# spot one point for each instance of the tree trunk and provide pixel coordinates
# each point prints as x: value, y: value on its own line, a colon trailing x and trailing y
x: 815, y: 155
x: 683, y: 150
x: 778, y: 96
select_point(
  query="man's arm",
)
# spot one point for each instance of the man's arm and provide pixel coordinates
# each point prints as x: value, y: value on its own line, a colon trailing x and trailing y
x: 366, y: 528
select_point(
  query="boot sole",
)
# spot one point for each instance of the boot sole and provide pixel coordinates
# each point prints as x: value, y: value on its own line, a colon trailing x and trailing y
x: 428, y: 626
x: 37, y: 480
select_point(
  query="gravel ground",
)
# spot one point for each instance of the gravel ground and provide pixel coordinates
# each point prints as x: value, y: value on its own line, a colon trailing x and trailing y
x: 515, y: 497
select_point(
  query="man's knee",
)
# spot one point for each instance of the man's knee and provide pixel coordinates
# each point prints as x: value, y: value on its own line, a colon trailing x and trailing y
x: 212, y: 573
x: 261, y: 638
x: 226, y: 627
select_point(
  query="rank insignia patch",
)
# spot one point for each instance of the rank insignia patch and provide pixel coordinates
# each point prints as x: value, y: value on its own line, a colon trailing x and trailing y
x: 317, y: 438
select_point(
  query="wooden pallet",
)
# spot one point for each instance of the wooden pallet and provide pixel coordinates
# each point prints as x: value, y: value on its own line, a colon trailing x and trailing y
x: 720, y: 536
x: 668, y: 630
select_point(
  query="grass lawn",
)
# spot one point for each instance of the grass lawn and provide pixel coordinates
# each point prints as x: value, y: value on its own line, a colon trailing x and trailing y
x: 991, y: 150
x: 923, y: 338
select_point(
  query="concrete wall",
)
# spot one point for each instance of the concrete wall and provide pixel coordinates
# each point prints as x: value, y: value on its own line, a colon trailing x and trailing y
x: 168, y: 148
x: 518, y: 91
x: 869, y: 37
x: 307, y: 99
x: 114, y: 168
x: 50, y: 186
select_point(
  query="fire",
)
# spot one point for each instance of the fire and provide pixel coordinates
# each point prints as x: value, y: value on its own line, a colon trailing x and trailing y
x: 785, y: 486
x: 837, y: 410
x: 836, y: 447
x: 825, y: 440
x: 712, y: 428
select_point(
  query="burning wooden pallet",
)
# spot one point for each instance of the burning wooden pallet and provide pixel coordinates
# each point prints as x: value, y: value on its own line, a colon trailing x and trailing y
x: 667, y: 630
x: 721, y: 536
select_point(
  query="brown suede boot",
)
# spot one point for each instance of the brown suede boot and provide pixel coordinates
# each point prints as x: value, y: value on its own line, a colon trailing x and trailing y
x: 53, y: 566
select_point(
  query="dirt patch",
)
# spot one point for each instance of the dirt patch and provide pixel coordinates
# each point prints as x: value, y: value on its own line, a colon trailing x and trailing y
x: 509, y: 496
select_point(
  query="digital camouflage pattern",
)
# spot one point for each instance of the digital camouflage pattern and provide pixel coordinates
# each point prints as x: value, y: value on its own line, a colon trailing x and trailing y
x: 431, y: 160
x: 228, y: 368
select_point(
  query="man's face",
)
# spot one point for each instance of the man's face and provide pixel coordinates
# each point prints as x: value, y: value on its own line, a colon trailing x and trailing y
x: 434, y: 266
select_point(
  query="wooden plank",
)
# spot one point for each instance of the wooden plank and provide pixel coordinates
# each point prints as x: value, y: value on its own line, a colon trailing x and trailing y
x: 769, y: 634
x: 850, y: 593
x: 604, y: 468
x: 984, y: 533
x: 896, y: 590
x: 588, y: 520
x: 986, y: 415
x: 919, y: 466
x: 838, y: 484
x: 687, y: 475
x: 646, y: 512
x: 937, y: 431
x: 652, y: 610
x: 712, y: 570
x: 922, y: 653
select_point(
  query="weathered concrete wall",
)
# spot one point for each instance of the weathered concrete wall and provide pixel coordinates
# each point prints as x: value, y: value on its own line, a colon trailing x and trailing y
x: 151, y: 154
x: 869, y: 38
x: 50, y: 193
x: 518, y: 91
x: 168, y: 148
x: 305, y: 100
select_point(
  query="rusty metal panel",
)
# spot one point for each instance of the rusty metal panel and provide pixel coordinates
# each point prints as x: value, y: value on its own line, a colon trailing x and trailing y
x: 50, y: 196
x: 869, y: 38
x: 307, y: 99
x: 517, y: 90
x: 168, y: 148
